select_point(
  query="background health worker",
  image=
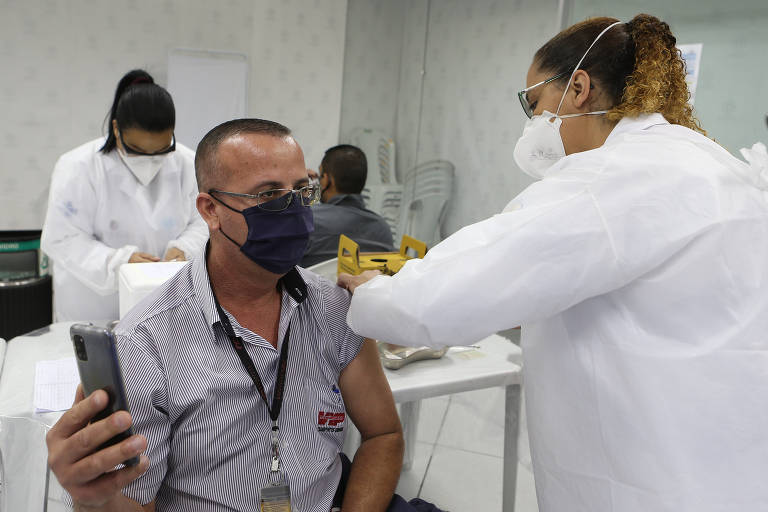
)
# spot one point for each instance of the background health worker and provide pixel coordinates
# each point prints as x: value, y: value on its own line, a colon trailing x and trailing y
x: 637, y: 269
x: 127, y: 197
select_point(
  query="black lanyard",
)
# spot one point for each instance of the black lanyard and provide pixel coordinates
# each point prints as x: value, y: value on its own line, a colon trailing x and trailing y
x: 294, y: 284
x: 282, y: 368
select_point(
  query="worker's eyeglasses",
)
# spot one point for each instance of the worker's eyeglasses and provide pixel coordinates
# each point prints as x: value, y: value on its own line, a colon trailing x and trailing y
x: 274, y: 200
x: 528, y: 108
x: 132, y: 151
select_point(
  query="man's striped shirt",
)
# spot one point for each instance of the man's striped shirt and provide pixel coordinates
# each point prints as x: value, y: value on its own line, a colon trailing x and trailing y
x: 208, y: 430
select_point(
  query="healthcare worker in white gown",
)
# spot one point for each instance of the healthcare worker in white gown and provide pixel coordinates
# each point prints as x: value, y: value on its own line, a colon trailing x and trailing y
x: 638, y: 269
x: 128, y: 197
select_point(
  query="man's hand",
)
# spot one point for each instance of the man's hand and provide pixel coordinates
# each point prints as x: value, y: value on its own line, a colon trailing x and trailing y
x: 351, y: 282
x: 142, y: 257
x: 174, y: 254
x: 83, y: 470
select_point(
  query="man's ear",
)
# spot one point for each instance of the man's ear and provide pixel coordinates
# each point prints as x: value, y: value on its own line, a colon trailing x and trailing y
x: 581, y: 89
x: 206, y: 206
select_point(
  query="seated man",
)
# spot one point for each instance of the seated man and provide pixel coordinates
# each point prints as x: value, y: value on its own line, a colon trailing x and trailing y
x: 342, y: 177
x: 240, y: 350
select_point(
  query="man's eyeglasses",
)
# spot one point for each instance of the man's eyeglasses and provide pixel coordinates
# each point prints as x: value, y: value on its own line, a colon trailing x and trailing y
x: 131, y: 151
x: 528, y: 108
x: 274, y: 200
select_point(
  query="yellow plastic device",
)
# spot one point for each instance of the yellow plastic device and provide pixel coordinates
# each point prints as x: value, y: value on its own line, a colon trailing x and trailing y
x: 352, y: 261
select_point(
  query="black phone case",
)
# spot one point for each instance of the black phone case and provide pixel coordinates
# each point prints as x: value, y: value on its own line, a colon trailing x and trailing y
x: 99, y: 368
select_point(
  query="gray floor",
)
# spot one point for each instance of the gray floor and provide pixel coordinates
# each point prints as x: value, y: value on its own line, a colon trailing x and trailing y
x: 458, y: 457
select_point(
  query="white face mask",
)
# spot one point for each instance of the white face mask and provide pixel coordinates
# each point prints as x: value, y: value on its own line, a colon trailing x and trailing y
x: 541, y: 145
x: 143, y: 167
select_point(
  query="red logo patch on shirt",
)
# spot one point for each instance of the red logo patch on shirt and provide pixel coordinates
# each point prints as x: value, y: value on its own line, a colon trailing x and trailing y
x: 330, y: 421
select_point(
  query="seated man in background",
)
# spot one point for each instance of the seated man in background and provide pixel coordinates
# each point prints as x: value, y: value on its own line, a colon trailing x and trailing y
x: 342, y: 177
x: 240, y: 370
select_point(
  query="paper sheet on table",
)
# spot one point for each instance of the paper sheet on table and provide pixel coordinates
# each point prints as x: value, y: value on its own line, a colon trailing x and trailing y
x: 55, y: 384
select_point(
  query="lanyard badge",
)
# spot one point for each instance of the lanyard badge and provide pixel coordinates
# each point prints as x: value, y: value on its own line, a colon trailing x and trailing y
x: 276, y: 497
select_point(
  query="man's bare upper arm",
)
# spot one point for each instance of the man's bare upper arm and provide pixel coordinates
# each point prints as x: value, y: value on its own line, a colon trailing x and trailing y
x: 366, y: 394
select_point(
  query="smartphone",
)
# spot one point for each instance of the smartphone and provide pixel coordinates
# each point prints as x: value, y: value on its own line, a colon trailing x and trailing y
x: 99, y: 368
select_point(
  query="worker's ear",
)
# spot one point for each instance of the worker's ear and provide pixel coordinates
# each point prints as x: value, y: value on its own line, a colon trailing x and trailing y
x: 206, y: 206
x: 581, y: 89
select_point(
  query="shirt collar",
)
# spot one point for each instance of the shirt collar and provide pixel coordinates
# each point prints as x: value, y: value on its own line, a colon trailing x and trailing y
x: 293, y: 288
x: 352, y: 199
x: 633, y: 124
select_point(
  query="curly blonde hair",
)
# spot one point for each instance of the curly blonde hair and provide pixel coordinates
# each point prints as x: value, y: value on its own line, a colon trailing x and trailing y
x: 636, y: 64
x: 657, y: 83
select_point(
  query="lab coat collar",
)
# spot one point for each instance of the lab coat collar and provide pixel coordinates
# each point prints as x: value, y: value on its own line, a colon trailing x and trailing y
x: 633, y: 124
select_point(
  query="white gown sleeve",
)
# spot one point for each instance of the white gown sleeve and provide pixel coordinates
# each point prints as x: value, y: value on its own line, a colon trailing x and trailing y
x: 68, y: 235
x: 529, y: 264
x: 492, y: 275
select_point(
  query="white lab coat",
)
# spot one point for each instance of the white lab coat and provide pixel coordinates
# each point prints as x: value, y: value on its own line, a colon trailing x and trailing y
x: 99, y: 214
x: 639, y: 274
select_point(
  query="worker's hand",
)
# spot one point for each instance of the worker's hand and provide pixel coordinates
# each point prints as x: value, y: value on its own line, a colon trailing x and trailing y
x: 351, y: 282
x: 142, y: 257
x: 83, y: 470
x: 174, y: 254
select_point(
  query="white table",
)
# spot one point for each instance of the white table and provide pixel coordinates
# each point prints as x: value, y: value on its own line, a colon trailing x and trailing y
x: 493, y: 362
x: 23, y: 452
x: 22, y: 432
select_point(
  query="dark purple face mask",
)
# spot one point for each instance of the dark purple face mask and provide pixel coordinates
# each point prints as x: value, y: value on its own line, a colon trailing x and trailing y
x: 276, y: 239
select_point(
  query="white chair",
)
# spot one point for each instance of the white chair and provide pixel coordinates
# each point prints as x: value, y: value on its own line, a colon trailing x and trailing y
x: 426, y: 191
x: 382, y: 193
x: 385, y: 200
x: 379, y: 150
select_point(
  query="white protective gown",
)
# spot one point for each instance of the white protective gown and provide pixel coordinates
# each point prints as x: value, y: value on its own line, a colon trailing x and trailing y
x: 639, y: 274
x: 99, y: 214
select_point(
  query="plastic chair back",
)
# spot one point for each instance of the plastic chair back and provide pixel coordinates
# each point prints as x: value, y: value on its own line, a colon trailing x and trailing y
x: 426, y: 191
x: 379, y: 150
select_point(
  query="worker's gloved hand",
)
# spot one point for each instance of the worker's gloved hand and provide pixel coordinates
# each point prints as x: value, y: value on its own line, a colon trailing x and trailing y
x: 84, y: 470
x: 174, y: 254
x: 351, y: 282
x: 142, y: 257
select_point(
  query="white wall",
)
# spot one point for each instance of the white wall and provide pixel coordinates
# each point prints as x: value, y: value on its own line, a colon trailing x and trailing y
x: 372, y: 65
x: 61, y: 62
x: 478, y: 55
x: 458, y: 100
x: 731, y: 94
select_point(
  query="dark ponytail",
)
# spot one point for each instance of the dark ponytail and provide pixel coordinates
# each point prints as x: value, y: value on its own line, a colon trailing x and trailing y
x: 139, y: 103
x: 636, y: 64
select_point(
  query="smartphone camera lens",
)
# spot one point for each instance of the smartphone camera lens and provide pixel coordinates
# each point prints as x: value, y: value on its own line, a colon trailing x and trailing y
x: 80, y: 348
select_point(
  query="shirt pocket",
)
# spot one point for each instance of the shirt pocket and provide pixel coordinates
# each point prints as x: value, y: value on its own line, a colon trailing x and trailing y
x: 328, y: 415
